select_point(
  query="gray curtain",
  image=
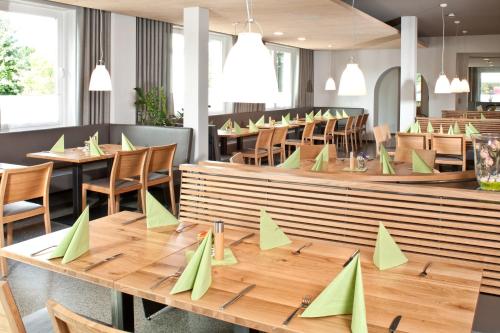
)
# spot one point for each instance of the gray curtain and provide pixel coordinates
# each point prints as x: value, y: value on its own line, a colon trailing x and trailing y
x: 305, y: 96
x: 94, y: 105
x: 154, y: 50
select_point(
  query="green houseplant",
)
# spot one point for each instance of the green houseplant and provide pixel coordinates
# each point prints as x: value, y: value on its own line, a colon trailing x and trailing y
x: 152, y: 107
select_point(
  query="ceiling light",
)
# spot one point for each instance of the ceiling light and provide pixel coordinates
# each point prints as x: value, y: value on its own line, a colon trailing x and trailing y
x: 330, y: 82
x: 442, y: 83
x: 456, y: 22
x: 455, y: 86
x: 330, y: 46
x: 249, y: 75
x: 486, y: 59
x: 451, y: 15
x: 278, y: 33
x: 301, y: 39
x: 464, y: 32
x: 464, y: 84
x: 100, y: 80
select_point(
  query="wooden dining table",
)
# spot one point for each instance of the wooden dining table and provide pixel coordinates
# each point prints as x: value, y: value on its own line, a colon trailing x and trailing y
x: 443, y: 301
x: 77, y: 157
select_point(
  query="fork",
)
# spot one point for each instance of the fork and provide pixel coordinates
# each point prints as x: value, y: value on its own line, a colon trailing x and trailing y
x: 306, y: 300
x: 424, y: 272
x: 297, y: 252
x: 175, y: 275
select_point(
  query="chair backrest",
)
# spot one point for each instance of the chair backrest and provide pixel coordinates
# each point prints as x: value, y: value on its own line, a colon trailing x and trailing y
x: 349, y: 124
x: 161, y: 158
x: 10, y: 319
x: 128, y: 164
x: 308, y: 152
x: 264, y: 139
x: 380, y: 137
x: 308, y: 131
x: 359, y: 121
x: 403, y: 154
x: 411, y: 140
x: 448, y: 144
x: 66, y: 321
x: 364, y: 120
x: 330, y: 126
x: 25, y: 183
x: 237, y: 159
x: 387, y: 131
x: 279, y: 136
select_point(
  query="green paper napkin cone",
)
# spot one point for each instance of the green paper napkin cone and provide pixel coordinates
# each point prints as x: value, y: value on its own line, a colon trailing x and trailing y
x: 418, y: 163
x: 408, y: 129
x: 344, y: 295
x: 284, y: 122
x: 344, y: 114
x: 387, y: 253
x: 287, y: 117
x: 385, y: 161
x: 261, y: 121
x: 482, y: 116
x: 226, y: 125
x: 229, y: 258
x: 328, y: 115
x: 59, y: 146
x: 338, y: 115
x: 197, y: 275
x: 318, y: 115
x: 292, y: 162
x: 237, y: 128
x: 450, y: 131
x: 76, y: 242
x: 324, y: 154
x: 430, y: 129
x: 473, y: 129
x: 309, y: 119
x: 96, y: 137
x: 271, y: 235
x: 311, y: 114
x: 252, y: 127
x: 126, y: 144
x: 456, y: 129
x: 158, y: 216
x: 95, y: 150
x: 441, y: 131
x: 318, y: 165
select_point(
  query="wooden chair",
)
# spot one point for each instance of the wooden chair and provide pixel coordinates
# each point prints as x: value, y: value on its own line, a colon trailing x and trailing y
x: 362, y: 132
x: 237, y: 159
x: 306, y: 137
x: 17, y: 186
x: 278, y: 143
x: 262, y: 147
x: 66, y: 321
x: 327, y: 136
x: 10, y: 318
x: 160, y: 171
x: 357, y: 130
x: 309, y: 152
x: 345, y: 134
x: 405, y: 155
x: 411, y: 140
x: 127, y: 165
x: 450, y: 149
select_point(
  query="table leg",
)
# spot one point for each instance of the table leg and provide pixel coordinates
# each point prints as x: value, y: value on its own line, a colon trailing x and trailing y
x: 151, y: 308
x: 122, y: 311
x: 239, y: 144
x: 223, y: 146
x: 77, y: 189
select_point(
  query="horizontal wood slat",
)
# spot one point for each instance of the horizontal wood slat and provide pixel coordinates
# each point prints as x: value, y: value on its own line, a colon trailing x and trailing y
x: 470, y: 114
x: 453, y: 224
x: 482, y: 125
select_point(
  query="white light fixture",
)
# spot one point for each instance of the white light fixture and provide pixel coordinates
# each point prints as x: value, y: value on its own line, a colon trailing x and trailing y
x: 100, y: 80
x: 330, y: 82
x: 464, y: 86
x: 278, y: 33
x: 249, y: 75
x: 301, y: 39
x: 455, y: 85
x: 352, y: 81
x: 442, y: 83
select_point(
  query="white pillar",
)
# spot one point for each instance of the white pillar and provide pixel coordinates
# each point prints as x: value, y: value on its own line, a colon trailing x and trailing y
x: 409, y: 44
x: 196, y: 79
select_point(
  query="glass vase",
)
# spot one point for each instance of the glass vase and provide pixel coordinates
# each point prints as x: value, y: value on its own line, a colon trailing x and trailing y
x: 487, y: 160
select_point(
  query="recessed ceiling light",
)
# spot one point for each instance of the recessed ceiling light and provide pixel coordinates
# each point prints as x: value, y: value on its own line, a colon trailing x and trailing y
x: 464, y: 32
x: 456, y: 22
x: 301, y: 39
x: 443, y: 5
x: 451, y: 15
x: 486, y: 59
x: 330, y: 46
x: 278, y: 33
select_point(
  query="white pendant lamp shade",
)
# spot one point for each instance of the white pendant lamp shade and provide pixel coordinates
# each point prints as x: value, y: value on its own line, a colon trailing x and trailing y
x: 352, y: 81
x: 442, y: 85
x: 330, y: 84
x: 100, y: 79
x: 455, y: 85
x: 249, y: 75
x: 464, y: 84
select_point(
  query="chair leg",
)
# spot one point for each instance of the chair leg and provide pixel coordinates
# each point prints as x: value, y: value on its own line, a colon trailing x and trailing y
x: 346, y: 145
x: 172, y: 197
x: 46, y: 220
x: 111, y: 204
x: 4, y: 270
x: 10, y: 233
x: 140, y: 202
x: 84, y: 199
x: 117, y: 205
x: 271, y: 159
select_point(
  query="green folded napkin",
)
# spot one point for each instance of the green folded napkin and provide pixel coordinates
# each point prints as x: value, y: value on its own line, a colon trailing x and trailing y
x: 271, y: 235
x: 344, y: 295
x: 324, y: 154
x: 59, y: 146
x: 385, y: 160
x: 418, y: 163
x: 252, y: 128
x: 293, y: 161
x: 430, y: 129
x: 450, y: 130
x: 158, y: 216
x: 415, y: 128
x: 387, y: 253
x: 482, y: 116
x: 96, y: 137
x: 226, y: 125
x: 456, y: 129
x: 229, y: 258
x: 287, y: 117
x: 338, y: 115
x: 261, y: 121
x: 408, y: 129
x: 309, y: 119
x: 328, y: 115
x: 237, y: 128
x: 76, y: 242
x: 441, y: 131
x: 318, y: 115
x: 284, y: 121
x: 95, y: 150
x: 197, y: 276
x: 470, y: 129
x: 126, y: 144
x: 344, y: 114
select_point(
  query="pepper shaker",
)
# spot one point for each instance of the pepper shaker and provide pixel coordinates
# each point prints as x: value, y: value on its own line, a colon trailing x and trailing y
x: 219, y: 240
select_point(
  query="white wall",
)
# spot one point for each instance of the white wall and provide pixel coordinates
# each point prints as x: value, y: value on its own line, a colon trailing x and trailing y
x: 123, y: 62
x: 374, y: 62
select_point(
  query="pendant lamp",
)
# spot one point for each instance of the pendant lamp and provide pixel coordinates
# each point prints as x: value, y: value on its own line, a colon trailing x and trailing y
x: 249, y: 75
x: 100, y: 80
x: 464, y: 83
x: 352, y: 81
x: 330, y: 82
x: 442, y: 83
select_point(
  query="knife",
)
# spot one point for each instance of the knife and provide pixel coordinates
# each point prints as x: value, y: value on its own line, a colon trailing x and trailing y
x: 134, y: 220
x: 350, y: 258
x: 237, y: 297
x: 34, y: 254
x: 89, y: 267
x: 238, y: 241
x: 185, y: 227
x: 394, y: 324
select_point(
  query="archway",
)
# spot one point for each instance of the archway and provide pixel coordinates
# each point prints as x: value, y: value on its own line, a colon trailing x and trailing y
x: 387, y: 96
x: 422, y: 96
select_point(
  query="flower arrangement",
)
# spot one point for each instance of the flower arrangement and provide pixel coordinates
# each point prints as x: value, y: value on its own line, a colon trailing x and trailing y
x: 487, y: 161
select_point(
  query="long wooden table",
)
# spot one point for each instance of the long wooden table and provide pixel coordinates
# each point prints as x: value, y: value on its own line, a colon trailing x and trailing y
x: 444, y: 301
x: 77, y: 157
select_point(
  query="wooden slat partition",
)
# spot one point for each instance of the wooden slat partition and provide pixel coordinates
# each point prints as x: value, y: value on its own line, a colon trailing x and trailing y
x: 470, y: 114
x: 482, y: 125
x: 452, y: 224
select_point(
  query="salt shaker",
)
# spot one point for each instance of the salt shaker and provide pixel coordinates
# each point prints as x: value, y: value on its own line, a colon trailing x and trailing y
x: 219, y: 240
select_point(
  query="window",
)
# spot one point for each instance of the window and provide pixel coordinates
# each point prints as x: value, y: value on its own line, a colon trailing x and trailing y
x: 489, y: 86
x: 286, y: 61
x: 37, y: 65
x: 218, y: 47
